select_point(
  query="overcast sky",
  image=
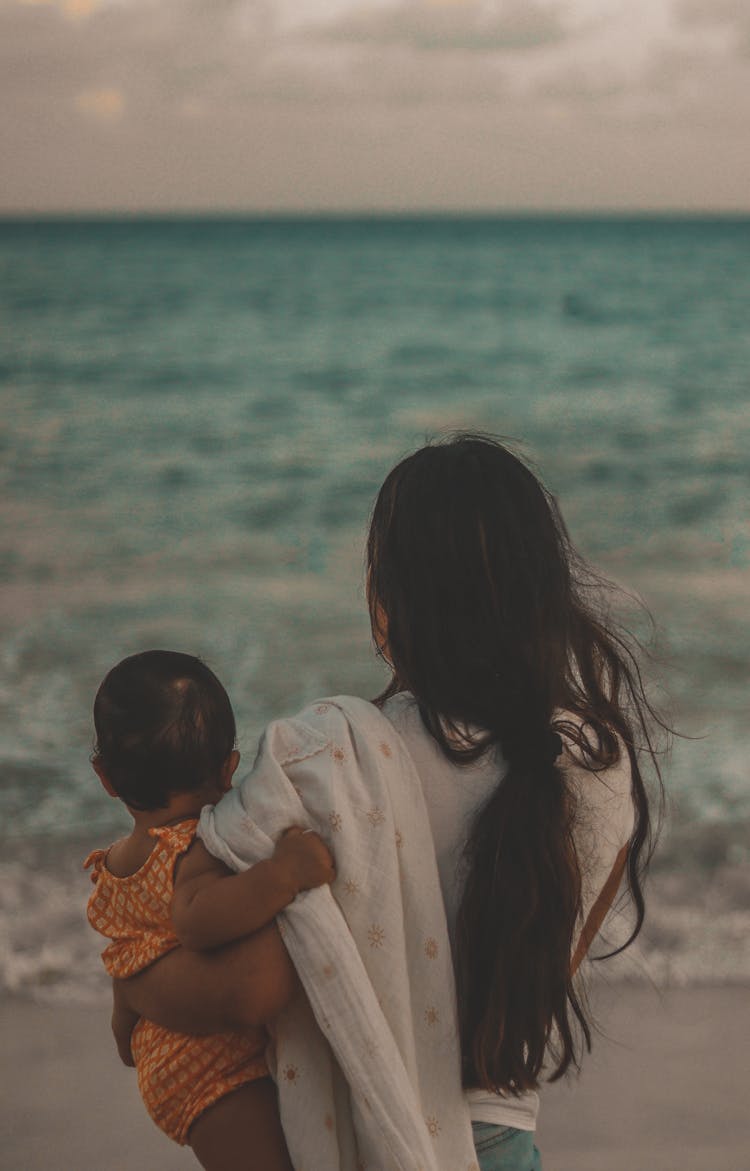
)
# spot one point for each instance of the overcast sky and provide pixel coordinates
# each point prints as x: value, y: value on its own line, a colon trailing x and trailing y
x: 374, y: 104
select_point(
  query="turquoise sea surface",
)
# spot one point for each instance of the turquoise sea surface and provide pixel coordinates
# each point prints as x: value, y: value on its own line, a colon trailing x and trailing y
x: 197, y: 414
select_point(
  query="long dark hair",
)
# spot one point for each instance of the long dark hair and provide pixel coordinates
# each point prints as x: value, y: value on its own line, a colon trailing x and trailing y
x: 490, y: 618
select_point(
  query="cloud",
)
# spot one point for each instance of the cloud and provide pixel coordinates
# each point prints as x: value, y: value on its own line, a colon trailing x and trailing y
x: 103, y: 105
x: 72, y: 9
x: 465, y: 25
x: 713, y: 11
x: 215, y: 54
x: 164, y: 52
x: 351, y: 102
x: 732, y: 16
x: 203, y: 58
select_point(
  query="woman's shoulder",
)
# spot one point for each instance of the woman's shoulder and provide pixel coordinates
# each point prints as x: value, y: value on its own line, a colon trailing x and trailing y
x: 341, y: 708
x: 402, y: 710
x: 336, y: 711
x: 603, y: 792
x: 324, y: 723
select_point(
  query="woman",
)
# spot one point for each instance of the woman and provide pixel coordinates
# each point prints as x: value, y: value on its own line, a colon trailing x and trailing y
x: 522, y: 709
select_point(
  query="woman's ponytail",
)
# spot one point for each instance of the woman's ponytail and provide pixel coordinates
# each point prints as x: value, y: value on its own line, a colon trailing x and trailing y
x: 516, y: 925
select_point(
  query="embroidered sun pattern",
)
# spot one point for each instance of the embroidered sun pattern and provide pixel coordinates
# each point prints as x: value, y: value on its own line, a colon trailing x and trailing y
x: 430, y: 948
x: 351, y: 887
x: 376, y: 935
x: 290, y: 1074
x: 322, y: 708
x: 431, y: 1015
x: 375, y: 816
x: 385, y: 748
x: 433, y: 1125
x: 338, y: 754
x: 334, y: 820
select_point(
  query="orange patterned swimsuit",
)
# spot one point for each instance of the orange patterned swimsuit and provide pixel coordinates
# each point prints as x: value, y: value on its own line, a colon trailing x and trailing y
x: 179, y: 1076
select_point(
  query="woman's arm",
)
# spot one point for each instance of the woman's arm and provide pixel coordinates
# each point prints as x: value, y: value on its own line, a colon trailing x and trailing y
x: 238, y: 987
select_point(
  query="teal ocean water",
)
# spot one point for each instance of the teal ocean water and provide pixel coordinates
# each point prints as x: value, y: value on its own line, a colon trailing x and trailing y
x: 197, y: 415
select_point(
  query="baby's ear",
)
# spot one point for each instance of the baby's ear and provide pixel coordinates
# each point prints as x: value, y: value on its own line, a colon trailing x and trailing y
x: 98, y: 767
x: 229, y: 769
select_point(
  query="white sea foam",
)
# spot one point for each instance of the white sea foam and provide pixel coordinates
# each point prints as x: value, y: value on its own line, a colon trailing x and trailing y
x: 47, y: 949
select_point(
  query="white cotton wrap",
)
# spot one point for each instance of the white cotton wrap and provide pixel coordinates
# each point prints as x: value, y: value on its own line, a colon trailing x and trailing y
x: 368, y: 1066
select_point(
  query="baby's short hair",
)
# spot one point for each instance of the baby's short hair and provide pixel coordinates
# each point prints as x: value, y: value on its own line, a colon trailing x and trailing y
x: 164, y: 725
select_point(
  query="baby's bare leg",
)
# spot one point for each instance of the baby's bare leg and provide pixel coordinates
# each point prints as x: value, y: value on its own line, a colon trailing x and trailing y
x: 242, y: 1132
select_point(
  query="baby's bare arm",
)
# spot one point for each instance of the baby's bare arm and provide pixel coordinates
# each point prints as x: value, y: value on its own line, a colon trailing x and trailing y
x: 212, y: 906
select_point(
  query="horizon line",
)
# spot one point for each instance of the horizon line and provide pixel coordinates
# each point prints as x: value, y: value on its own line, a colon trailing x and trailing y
x: 353, y: 214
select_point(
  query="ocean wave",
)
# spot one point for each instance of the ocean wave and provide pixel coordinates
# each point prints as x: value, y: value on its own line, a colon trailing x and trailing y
x: 697, y: 927
x: 47, y: 950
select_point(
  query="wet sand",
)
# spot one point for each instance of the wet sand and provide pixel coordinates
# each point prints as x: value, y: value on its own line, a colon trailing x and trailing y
x: 665, y: 1090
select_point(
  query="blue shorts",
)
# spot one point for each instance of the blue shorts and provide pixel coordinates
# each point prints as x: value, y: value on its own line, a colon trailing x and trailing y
x: 503, y: 1148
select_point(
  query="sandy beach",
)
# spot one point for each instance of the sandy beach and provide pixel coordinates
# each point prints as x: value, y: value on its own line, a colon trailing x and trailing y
x: 665, y: 1090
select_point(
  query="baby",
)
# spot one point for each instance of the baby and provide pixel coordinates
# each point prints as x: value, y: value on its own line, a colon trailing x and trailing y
x: 165, y: 737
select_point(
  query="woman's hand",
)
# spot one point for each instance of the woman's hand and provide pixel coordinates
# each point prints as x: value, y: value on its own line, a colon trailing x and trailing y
x: 232, y: 989
x: 305, y: 857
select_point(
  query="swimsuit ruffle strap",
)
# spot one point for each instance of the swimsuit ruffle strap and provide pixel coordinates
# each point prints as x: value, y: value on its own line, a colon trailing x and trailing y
x: 177, y: 838
x: 95, y: 859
